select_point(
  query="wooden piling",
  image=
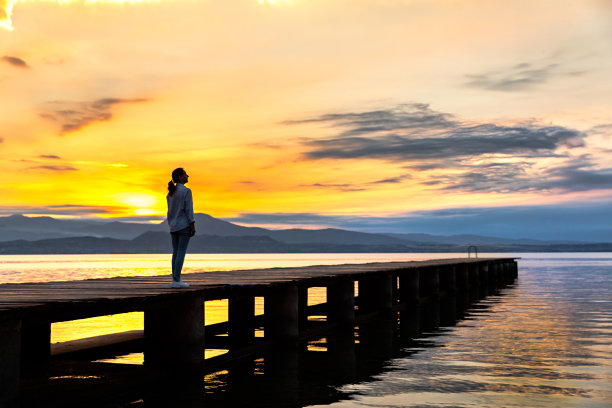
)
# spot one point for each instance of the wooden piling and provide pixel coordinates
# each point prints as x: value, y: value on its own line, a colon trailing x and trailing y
x: 375, y: 293
x: 429, y: 282
x: 409, y: 287
x: 10, y: 360
x: 241, y: 318
x: 175, y: 333
x: 341, y: 302
x: 35, y: 345
x: 281, y: 313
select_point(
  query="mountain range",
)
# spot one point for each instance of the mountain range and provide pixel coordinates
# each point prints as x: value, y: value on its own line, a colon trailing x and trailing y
x: 22, y: 235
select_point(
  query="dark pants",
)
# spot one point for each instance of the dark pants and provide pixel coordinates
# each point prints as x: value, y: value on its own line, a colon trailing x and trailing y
x: 180, y: 240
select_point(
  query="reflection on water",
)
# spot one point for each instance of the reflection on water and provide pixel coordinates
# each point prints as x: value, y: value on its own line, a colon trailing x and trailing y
x: 539, y: 344
x: 542, y: 342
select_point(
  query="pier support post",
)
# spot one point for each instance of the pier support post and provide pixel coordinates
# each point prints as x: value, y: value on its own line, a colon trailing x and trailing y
x: 429, y: 282
x: 376, y: 293
x: 376, y: 337
x: 302, y: 307
x: 341, y: 302
x: 35, y: 345
x: 430, y: 314
x: 462, y: 282
x: 447, y: 279
x: 241, y: 316
x: 175, y: 333
x: 502, y: 272
x: 409, y: 286
x: 410, y: 321
x: 10, y: 364
x: 448, y: 310
x: 474, y: 278
x: 342, y: 362
x: 514, y: 270
x: 462, y: 278
x: 483, y: 274
x: 493, y: 277
x: 281, y: 321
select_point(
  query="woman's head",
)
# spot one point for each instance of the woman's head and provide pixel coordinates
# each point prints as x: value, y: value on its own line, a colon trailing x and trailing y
x: 179, y: 175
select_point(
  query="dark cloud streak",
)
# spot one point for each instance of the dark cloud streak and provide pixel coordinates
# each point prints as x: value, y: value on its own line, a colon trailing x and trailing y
x: 409, y: 137
x: 519, y: 77
x: 76, y: 115
x: 62, y: 209
x: 14, y: 61
x: 54, y: 168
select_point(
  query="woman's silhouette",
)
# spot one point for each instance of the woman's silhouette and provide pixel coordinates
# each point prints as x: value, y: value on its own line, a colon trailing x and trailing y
x: 181, y: 222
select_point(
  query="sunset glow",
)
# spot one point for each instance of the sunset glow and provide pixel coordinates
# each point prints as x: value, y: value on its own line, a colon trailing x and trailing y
x: 324, y: 109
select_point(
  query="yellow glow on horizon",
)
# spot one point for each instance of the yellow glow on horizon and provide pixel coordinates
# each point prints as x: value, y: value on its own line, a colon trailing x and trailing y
x: 275, y: 2
x: 139, y: 200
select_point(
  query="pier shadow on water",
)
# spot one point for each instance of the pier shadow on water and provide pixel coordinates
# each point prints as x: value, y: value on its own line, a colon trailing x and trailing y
x: 313, y: 371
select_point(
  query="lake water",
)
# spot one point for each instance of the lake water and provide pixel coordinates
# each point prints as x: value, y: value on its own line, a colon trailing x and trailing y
x: 545, y: 341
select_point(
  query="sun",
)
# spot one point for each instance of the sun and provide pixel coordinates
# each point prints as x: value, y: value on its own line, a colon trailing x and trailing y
x: 139, y: 203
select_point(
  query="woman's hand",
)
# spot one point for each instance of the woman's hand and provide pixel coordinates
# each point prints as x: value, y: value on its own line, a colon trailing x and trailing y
x: 192, y: 229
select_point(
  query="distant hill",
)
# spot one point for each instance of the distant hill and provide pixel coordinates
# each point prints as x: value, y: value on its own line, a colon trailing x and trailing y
x: 159, y: 242
x: 36, y: 228
x: 46, y: 235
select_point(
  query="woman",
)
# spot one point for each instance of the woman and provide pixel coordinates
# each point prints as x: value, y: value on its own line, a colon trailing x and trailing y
x: 181, y: 222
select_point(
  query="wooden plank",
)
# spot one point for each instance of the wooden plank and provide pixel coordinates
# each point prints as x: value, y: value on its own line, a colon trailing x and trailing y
x: 96, y: 295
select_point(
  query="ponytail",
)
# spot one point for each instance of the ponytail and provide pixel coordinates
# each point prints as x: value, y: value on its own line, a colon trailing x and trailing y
x: 171, y: 188
x: 176, y: 173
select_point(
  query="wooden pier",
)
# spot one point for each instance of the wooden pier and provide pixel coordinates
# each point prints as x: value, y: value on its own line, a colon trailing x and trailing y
x: 174, y: 318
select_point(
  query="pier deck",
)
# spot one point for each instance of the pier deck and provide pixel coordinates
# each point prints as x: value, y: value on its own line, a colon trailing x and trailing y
x: 175, y: 317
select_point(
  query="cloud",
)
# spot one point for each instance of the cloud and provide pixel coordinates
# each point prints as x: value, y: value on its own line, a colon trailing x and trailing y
x: 73, y: 116
x: 62, y: 209
x: 332, y: 186
x: 405, y: 118
x: 391, y: 180
x: 415, y: 132
x: 459, y: 155
x: 54, y: 168
x: 14, y: 61
x: 49, y: 156
x: 576, y: 176
x: 518, y: 77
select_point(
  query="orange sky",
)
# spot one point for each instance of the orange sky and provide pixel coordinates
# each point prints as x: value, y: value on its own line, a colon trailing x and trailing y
x: 364, y: 108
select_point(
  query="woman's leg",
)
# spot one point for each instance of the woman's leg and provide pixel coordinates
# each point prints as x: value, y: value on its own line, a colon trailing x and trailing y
x: 175, y: 244
x: 182, y: 242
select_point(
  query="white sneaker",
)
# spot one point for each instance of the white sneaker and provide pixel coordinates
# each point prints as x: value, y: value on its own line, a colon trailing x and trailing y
x: 179, y: 284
